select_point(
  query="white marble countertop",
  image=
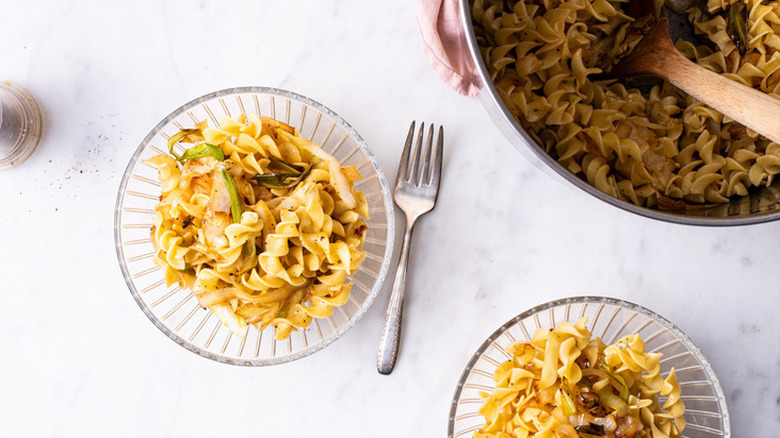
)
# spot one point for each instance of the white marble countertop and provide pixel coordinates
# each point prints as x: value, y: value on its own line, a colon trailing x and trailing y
x: 79, y: 357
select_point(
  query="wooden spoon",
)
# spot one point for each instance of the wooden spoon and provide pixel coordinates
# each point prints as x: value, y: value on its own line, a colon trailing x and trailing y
x: 656, y: 55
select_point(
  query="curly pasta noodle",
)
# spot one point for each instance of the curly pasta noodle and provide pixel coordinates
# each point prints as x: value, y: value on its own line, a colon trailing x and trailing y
x: 564, y: 383
x: 660, y: 148
x: 276, y: 253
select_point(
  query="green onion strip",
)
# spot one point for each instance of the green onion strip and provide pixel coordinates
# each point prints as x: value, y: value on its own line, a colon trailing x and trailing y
x: 235, y: 202
x: 198, y: 151
x: 737, y: 27
x: 624, y: 388
x: 279, y: 180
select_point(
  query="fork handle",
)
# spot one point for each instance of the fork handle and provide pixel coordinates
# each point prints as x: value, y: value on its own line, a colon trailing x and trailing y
x: 391, y: 331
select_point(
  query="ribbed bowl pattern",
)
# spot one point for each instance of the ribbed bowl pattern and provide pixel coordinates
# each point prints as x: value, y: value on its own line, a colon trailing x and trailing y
x: 175, y: 311
x: 610, y: 319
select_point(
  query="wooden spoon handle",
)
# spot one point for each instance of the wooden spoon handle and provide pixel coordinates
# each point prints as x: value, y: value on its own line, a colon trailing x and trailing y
x: 753, y: 108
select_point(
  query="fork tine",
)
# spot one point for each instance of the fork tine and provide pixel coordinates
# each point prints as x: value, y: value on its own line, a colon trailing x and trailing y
x: 403, y: 165
x: 414, y: 170
x: 425, y: 173
x: 437, y: 159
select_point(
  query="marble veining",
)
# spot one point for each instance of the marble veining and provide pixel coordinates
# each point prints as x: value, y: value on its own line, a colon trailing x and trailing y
x: 80, y: 359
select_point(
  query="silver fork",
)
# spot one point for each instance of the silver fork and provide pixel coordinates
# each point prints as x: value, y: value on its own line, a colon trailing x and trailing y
x: 416, y: 189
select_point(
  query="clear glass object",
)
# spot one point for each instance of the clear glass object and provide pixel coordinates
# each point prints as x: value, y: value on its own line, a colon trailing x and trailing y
x: 609, y: 319
x: 21, y: 125
x: 175, y: 311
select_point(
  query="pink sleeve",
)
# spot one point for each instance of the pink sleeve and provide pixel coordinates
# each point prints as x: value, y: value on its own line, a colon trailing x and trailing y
x: 444, y: 42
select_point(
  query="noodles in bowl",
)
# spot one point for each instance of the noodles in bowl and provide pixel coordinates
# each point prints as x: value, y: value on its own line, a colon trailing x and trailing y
x: 261, y: 224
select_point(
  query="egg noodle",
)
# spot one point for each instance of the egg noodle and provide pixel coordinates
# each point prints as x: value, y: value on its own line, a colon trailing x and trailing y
x: 565, y: 383
x: 659, y: 148
x: 261, y: 224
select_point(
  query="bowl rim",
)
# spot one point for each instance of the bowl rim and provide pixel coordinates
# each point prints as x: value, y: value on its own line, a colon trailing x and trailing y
x: 494, y: 103
x: 389, y: 216
x: 592, y: 299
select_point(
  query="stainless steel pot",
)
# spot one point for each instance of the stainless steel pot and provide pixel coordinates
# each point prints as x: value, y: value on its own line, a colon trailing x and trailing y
x: 761, y: 205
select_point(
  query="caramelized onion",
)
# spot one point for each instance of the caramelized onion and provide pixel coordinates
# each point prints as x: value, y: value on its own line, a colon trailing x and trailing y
x: 610, y: 425
x: 627, y: 427
x: 220, y: 196
x: 579, y: 419
x: 209, y: 298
